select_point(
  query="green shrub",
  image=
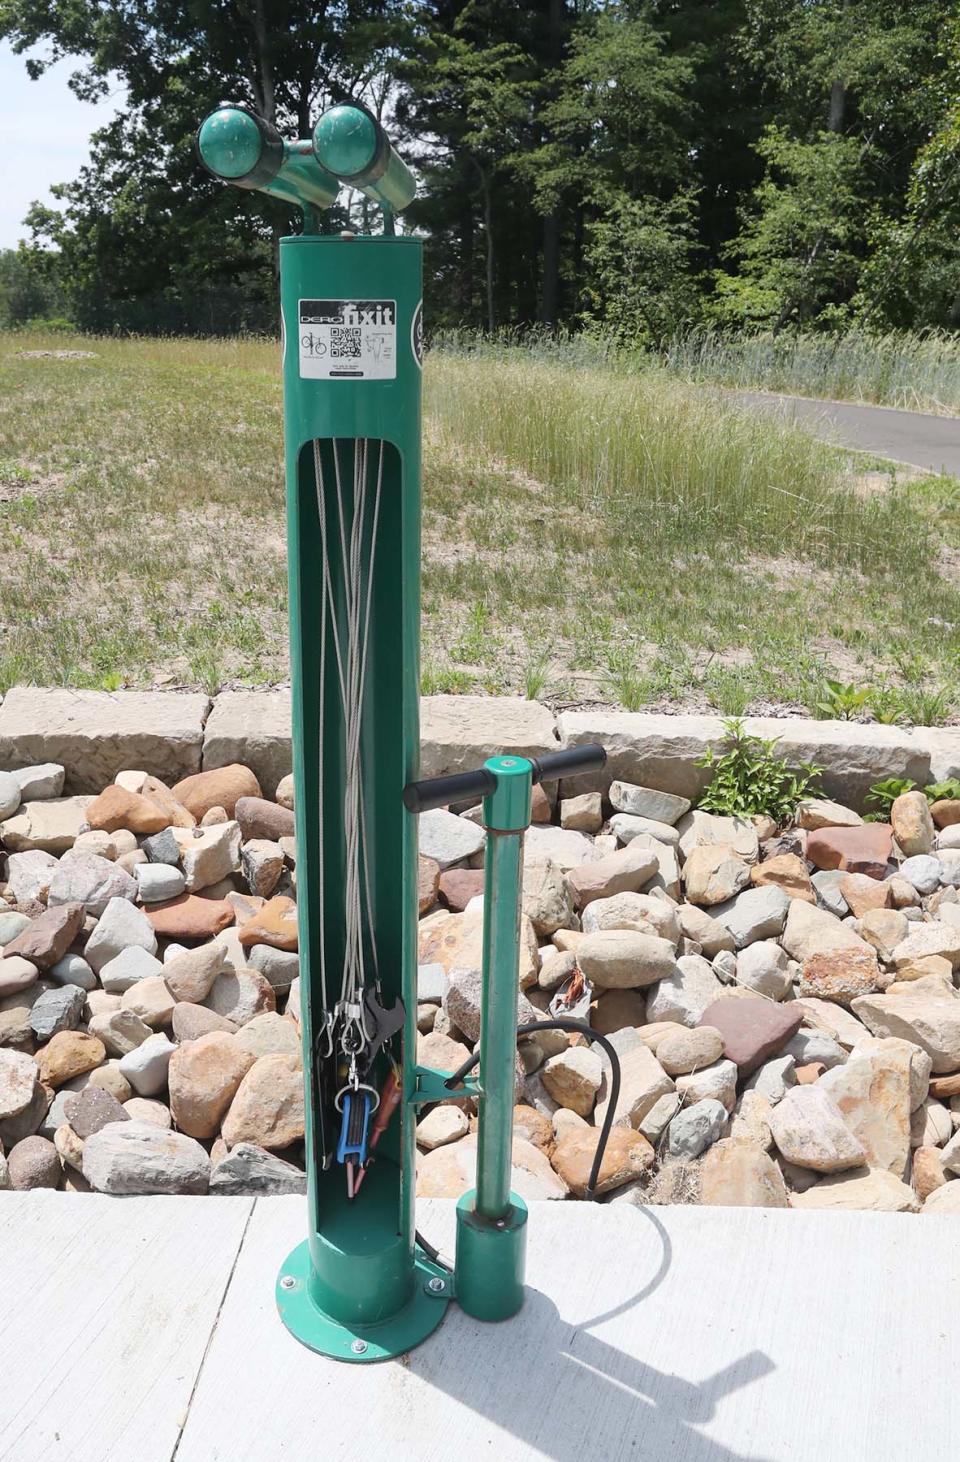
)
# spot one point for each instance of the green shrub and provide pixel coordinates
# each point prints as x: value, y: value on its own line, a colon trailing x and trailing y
x: 750, y: 778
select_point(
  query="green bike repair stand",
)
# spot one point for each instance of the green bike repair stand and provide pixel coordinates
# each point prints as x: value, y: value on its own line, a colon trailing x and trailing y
x: 361, y: 1287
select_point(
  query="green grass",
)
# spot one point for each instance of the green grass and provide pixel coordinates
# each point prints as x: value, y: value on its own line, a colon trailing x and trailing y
x: 592, y: 533
x: 916, y: 372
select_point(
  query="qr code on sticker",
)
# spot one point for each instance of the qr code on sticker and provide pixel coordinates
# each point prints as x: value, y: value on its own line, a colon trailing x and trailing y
x: 345, y: 343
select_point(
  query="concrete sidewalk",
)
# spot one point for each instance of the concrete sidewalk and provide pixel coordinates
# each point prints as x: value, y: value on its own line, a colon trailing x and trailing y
x: 144, y: 1330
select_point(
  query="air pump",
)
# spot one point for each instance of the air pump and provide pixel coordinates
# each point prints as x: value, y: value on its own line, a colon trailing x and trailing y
x: 364, y: 1286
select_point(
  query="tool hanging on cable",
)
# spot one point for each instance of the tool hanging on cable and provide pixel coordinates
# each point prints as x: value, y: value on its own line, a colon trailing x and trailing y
x: 356, y: 1024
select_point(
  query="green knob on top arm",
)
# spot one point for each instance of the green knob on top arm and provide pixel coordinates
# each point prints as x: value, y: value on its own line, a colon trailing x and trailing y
x: 351, y: 144
x: 239, y: 147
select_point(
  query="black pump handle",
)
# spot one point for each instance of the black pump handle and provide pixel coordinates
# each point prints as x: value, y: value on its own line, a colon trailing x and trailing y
x: 441, y: 791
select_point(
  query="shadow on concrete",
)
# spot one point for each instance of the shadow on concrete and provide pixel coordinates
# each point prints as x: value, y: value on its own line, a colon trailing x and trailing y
x: 565, y: 1393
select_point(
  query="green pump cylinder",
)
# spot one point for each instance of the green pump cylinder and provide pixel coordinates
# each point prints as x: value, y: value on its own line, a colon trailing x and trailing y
x: 239, y: 147
x: 351, y: 144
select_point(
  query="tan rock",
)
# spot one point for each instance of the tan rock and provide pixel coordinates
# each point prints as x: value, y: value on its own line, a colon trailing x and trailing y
x: 275, y: 924
x: 928, y: 1174
x: 863, y: 893
x: 926, y: 939
x: 456, y: 942
x: 656, y: 1031
x: 738, y: 1173
x: 700, y: 829
x: 713, y: 873
x: 872, y: 1092
x: 69, y: 1054
x: 752, y: 1119
x: 687, y: 1050
x: 239, y: 995
x: 817, y: 812
x: 151, y: 1000
x: 450, y: 1171
x: 190, y: 976
x: 922, y: 967
x: 441, y: 1125
x: 624, y: 959
x: 614, y: 1010
x: 628, y: 1156
x: 222, y: 787
x: 810, y: 1132
x: 112, y: 1079
x: 873, y: 1189
x: 270, y: 1034
x: 204, y: 1077
x: 912, y: 823
x: 788, y: 872
x: 926, y: 1013
x: 69, y: 1146
x: 583, y: 814
x: 883, y: 928
x: 573, y: 1078
x: 268, y: 1107
x: 117, y: 808
x: 709, y: 933
x: 148, y: 1109
x: 833, y: 1020
x: 48, y: 826
x: 642, y: 1081
x: 545, y: 897
x: 534, y: 1127
x: 810, y: 930
x: 626, y: 871
x: 428, y: 883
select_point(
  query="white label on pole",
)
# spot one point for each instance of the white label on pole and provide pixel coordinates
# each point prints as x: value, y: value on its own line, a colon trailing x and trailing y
x: 348, y: 340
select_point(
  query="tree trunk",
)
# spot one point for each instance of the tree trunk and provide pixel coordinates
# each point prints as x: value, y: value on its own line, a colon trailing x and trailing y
x: 487, y: 194
x: 838, y: 91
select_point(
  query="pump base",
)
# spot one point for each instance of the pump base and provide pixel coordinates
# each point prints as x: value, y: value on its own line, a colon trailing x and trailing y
x: 363, y: 1343
x: 491, y: 1258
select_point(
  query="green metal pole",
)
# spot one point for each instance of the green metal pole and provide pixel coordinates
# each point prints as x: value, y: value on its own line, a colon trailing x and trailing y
x: 491, y: 1221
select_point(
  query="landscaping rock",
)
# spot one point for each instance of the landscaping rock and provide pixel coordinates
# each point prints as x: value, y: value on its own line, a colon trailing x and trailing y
x: 119, y: 928
x: 277, y: 966
x: 146, y: 1066
x: 191, y: 1021
x: 10, y: 796
x: 57, y: 1010
x: 88, y: 879
x: 759, y: 913
x: 545, y: 898
x: 91, y: 1109
x: 69, y: 1054
x: 428, y: 883
x: 627, y: 1157
x: 151, y: 1000
x: 34, y: 1163
x: 627, y: 871
x: 684, y: 1051
x: 642, y: 1081
x: 262, y: 864
x: 270, y: 1034
x: 450, y: 1171
x: 926, y: 939
x: 16, y: 974
x: 47, y: 827
x: 158, y: 882
x: 18, y: 1083
x: 239, y: 995
x: 459, y: 885
x: 47, y: 938
x: 922, y: 873
x: 573, y: 1079
x: 884, y: 929
x: 872, y: 1189
x: 143, y: 1109
x: 774, y: 1078
x: 753, y: 1029
x: 713, y: 937
x: 448, y: 839
x: 841, y: 976
x: 809, y: 931
x: 872, y: 1093
x: 268, y: 1106
x: 29, y: 875
x: 139, y: 1157
x: 927, y: 1013
x: 250, y: 1171
x: 863, y: 849
x: 863, y: 894
x: 738, y: 1173
x: 912, y: 823
x: 716, y: 1083
x: 190, y: 976
x: 927, y: 1173
x: 713, y: 873
x: 696, y: 1128
x: 128, y: 968
x: 275, y: 924
x: 204, y: 1076
x: 685, y: 993
x: 814, y: 813
x: 442, y: 1125
x: 809, y: 1131
x: 222, y: 787
x: 118, y: 808
x: 644, y: 913
x: 583, y: 814
x: 765, y: 968
x: 623, y: 959
x: 260, y: 819
x: 121, y: 1031
x: 785, y: 871
x: 190, y: 918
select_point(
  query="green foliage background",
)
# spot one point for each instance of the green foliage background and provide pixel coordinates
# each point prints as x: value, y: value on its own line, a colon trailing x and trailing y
x: 636, y: 166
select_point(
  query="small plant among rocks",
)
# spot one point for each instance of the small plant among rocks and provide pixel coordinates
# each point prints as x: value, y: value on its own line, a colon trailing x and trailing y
x: 750, y: 779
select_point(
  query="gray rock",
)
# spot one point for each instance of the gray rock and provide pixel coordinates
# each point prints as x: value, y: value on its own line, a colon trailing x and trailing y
x: 449, y: 839
x: 146, y: 1066
x: 56, y: 1113
x: 57, y: 1010
x: 140, y: 1157
x: 120, y: 927
x: 162, y: 847
x: 827, y: 885
x: 625, y: 828
x: 764, y: 967
x: 718, y: 1082
x: 250, y: 1171
x: 724, y: 966
x: 127, y: 967
x: 646, y: 802
x: 922, y: 871
x: 279, y: 966
x: 696, y: 1128
x: 16, y: 975
x: 814, y: 1045
x: 86, y: 878
x: 9, y: 795
x: 38, y: 782
x: 432, y: 983
x: 11, y: 925
x: 158, y: 881
x: 462, y: 1003
x: 773, y: 1079
x: 655, y: 1122
x: 758, y: 913
x: 73, y: 970
x: 684, y: 995
x: 92, y: 1109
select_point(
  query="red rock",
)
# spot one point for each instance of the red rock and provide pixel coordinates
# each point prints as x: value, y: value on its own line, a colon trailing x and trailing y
x: 190, y: 917
x: 48, y: 938
x: 753, y: 1029
x: 459, y: 885
x: 222, y: 787
x: 863, y: 849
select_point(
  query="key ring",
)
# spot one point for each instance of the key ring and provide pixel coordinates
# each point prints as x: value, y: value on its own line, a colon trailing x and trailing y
x: 361, y: 1086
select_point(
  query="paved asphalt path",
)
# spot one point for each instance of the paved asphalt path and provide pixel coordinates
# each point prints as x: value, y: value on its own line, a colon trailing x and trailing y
x: 929, y: 442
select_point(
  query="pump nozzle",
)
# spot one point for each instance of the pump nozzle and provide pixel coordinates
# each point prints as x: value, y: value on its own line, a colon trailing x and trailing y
x: 351, y: 144
x: 239, y: 147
